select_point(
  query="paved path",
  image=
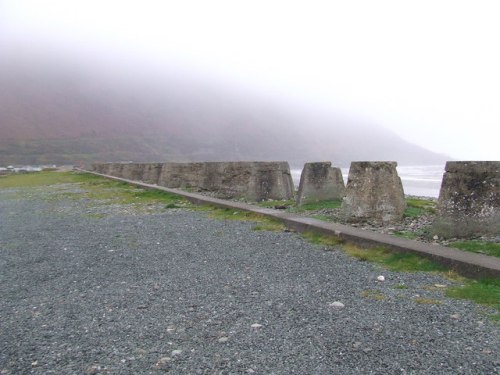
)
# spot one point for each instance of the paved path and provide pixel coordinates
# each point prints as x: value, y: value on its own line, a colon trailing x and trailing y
x: 89, y: 289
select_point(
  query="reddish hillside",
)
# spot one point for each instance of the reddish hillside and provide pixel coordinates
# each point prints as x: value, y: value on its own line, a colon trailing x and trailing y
x: 61, y: 115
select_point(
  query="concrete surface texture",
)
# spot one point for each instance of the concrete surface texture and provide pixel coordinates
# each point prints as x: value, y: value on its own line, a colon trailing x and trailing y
x: 469, y: 199
x: 151, y: 173
x: 374, y: 192
x: 320, y: 181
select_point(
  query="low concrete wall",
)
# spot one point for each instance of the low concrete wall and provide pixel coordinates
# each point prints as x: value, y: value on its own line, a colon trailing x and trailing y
x: 151, y: 173
x: 318, y: 182
x: 374, y: 192
x: 469, y: 199
x: 146, y: 172
x: 254, y: 181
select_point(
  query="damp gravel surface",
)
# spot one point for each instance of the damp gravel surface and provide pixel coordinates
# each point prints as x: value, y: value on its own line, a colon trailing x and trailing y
x: 129, y: 291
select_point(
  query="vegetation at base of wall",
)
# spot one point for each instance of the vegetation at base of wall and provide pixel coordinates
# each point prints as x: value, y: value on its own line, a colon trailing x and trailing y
x: 277, y: 203
x: 315, y: 206
x: 394, y: 261
x: 261, y: 222
x: 419, y: 206
x: 484, y: 291
x: 478, y: 246
x: 319, y: 239
x: 291, y: 206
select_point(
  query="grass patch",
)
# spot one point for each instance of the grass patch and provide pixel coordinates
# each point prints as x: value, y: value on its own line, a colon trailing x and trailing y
x: 401, y: 286
x: 262, y: 222
x: 394, y: 261
x: 373, y: 294
x: 418, y: 207
x: 477, y: 246
x: 95, y: 188
x: 318, y: 239
x: 314, y: 206
x: 42, y: 179
x: 485, y: 292
x: 270, y: 225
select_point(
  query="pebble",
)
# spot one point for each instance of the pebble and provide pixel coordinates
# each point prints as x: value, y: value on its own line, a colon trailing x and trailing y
x: 176, y: 353
x: 256, y: 325
x: 337, y: 305
x: 380, y: 278
x: 223, y: 339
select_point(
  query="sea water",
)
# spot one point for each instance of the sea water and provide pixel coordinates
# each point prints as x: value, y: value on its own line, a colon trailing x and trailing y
x: 419, y: 180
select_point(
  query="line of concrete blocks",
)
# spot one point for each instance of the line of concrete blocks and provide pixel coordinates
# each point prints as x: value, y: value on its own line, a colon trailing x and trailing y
x: 252, y: 181
x: 468, y: 204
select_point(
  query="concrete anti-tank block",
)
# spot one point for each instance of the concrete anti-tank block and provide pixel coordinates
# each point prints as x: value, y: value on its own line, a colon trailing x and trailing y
x: 254, y: 181
x: 133, y: 171
x: 320, y: 181
x: 151, y: 173
x: 374, y: 192
x: 469, y: 199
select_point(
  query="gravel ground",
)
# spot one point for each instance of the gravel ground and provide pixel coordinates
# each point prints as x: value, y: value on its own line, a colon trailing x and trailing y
x: 89, y: 289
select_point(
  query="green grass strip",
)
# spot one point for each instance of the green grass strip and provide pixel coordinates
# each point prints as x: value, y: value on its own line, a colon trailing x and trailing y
x: 478, y: 246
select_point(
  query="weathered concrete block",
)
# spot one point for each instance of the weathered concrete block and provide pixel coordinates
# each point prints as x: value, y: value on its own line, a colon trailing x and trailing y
x: 151, y: 173
x: 469, y: 199
x: 319, y: 182
x: 269, y: 180
x: 146, y: 172
x: 96, y: 167
x: 254, y: 181
x: 374, y: 192
x: 116, y: 169
x: 105, y: 168
x: 133, y: 171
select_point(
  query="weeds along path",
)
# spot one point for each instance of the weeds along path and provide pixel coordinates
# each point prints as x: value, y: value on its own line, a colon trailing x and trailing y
x: 99, y: 277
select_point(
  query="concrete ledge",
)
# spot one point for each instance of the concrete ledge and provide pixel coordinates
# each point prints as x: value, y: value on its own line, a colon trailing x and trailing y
x: 463, y: 262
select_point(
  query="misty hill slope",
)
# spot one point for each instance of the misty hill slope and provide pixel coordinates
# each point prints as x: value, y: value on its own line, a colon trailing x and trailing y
x: 54, y: 114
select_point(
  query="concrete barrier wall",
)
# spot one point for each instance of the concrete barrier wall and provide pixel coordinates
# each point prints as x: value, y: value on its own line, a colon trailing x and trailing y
x: 145, y: 172
x: 151, y: 173
x: 318, y: 182
x: 469, y: 199
x: 254, y: 181
x: 374, y: 192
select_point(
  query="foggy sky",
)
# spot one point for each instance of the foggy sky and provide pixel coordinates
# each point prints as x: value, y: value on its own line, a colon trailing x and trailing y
x: 429, y: 70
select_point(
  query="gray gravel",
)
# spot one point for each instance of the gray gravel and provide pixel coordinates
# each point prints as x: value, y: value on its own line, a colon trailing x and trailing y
x: 88, y: 289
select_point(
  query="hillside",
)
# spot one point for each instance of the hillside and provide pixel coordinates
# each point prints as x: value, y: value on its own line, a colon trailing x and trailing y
x: 60, y: 114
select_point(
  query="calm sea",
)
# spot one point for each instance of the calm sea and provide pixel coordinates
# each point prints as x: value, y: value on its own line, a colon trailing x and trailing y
x: 420, y: 180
